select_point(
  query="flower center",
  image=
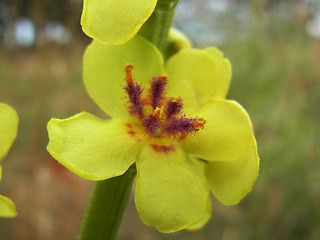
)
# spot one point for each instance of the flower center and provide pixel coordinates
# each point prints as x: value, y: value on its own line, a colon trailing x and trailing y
x: 160, y: 116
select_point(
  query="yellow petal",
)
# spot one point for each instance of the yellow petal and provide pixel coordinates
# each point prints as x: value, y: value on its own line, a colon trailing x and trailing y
x: 205, y: 72
x: 205, y: 217
x: 226, y: 134
x: 223, y: 73
x: 8, y: 128
x: 115, y: 21
x: 93, y: 148
x: 191, y: 76
x: 103, y: 73
x: 232, y: 181
x: 171, y: 192
x: 7, y: 207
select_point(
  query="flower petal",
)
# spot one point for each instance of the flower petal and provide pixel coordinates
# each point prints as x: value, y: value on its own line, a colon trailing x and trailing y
x: 103, y: 71
x: 205, y: 70
x: 226, y: 134
x: 115, y: 21
x: 92, y: 148
x: 232, y: 181
x: 8, y: 128
x: 204, y: 219
x: 7, y: 207
x: 171, y: 192
x: 224, y: 72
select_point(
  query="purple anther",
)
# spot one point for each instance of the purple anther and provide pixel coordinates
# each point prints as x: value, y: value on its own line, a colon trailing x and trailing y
x: 174, y: 107
x: 151, y: 124
x: 134, y: 92
x: 157, y: 90
x: 183, y: 126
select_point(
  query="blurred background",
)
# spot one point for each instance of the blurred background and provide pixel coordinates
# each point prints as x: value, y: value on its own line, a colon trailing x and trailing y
x: 274, y: 49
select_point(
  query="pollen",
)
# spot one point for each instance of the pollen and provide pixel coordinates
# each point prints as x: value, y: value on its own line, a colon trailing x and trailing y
x: 158, y: 112
x: 161, y: 117
x: 199, y: 123
x: 163, y: 77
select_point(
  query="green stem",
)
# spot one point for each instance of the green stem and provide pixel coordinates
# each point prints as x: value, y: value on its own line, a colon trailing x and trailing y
x: 156, y: 29
x: 106, y: 207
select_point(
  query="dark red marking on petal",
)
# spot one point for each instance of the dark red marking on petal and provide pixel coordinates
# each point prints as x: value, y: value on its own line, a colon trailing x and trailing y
x: 130, y: 131
x: 163, y: 148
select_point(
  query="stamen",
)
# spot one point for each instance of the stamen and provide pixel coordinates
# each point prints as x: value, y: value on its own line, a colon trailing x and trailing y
x: 134, y: 92
x: 157, y: 90
x: 163, y: 77
x: 184, y: 126
x: 160, y: 116
x: 151, y: 124
x: 174, y: 107
x: 128, y: 69
x: 153, y: 121
x: 199, y: 123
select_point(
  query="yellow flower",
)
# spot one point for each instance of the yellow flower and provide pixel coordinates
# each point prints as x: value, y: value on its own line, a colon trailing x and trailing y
x: 184, y: 136
x: 115, y: 21
x: 8, y: 133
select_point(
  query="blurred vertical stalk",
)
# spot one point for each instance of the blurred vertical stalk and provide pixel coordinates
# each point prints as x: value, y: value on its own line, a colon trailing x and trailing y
x: 256, y: 10
x: 256, y: 41
x: 156, y: 29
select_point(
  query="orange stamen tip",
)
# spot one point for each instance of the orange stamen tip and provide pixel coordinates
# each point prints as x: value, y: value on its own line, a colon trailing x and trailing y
x: 163, y: 77
x: 128, y: 68
x: 199, y: 123
x: 193, y: 230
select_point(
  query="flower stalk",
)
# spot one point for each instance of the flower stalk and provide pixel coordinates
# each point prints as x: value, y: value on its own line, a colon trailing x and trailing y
x: 156, y: 29
x: 106, y: 207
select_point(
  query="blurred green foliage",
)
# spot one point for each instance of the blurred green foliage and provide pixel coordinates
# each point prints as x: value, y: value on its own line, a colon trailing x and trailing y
x: 278, y: 82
